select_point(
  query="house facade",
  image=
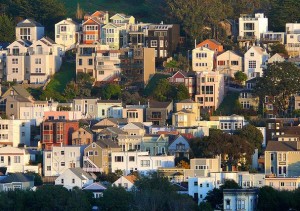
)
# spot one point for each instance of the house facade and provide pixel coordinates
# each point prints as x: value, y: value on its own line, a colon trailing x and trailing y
x: 229, y: 62
x: 29, y: 30
x: 292, y: 38
x: 188, y: 80
x: 159, y: 112
x: 203, y: 59
x: 82, y: 136
x: 240, y: 199
x: 67, y: 33
x: 255, y: 60
x: 187, y: 113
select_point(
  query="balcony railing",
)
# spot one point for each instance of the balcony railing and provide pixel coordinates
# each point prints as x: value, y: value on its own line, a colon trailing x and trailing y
x: 246, y: 38
x: 271, y: 39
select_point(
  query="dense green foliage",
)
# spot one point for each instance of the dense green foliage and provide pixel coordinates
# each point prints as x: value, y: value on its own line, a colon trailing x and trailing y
x: 234, y: 146
x: 108, y: 92
x: 240, y: 77
x: 278, y: 48
x: 279, y: 82
x: 7, y: 29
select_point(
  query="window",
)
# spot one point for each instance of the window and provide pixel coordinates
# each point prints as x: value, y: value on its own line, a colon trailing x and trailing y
x: 15, y: 61
x: 62, y: 152
x: 38, y: 70
x: 118, y: 158
x: 91, y: 28
x: 16, y: 159
x: 207, y: 185
x: 90, y: 61
x: 234, y: 63
x: 227, y: 204
x: 240, y: 204
x: 131, y: 158
x: 126, y: 186
x: 272, y: 156
x: 2, y: 159
x: 153, y: 43
x: 103, y: 112
x: 79, y: 61
x: 91, y: 153
x: 196, y: 183
x: 252, y: 64
x: 62, y: 164
x: 38, y: 61
x: 73, y: 181
x: 62, y: 181
x: 48, y: 168
x: 110, y: 31
x: 15, y: 70
x: 200, y: 185
x: 101, y: 72
x: 145, y: 163
x: 207, y: 89
x: 23, y: 134
x: 221, y: 63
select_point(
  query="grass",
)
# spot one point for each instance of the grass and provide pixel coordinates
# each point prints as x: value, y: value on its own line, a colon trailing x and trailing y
x: 62, y: 77
x: 228, y: 104
x: 143, y: 10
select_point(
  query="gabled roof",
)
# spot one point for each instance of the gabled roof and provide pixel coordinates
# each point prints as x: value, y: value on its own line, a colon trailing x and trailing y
x: 210, y: 40
x: 29, y: 23
x: 96, y: 186
x: 282, y: 146
x: 172, y: 140
x: 80, y: 173
x: 232, y: 52
x: 18, y: 90
x: 17, y: 177
x: 131, y: 178
x: 258, y: 49
x: 114, y: 130
x: 87, y: 130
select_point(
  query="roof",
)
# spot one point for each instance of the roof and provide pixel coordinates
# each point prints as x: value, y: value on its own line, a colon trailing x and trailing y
x: 107, y: 143
x: 156, y: 104
x: 131, y: 178
x: 187, y: 101
x: 21, y: 91
x: 87, y: 130
x: 215, y: 41
x: 48, y: 39
x: 80, y: 173
x: 109, y: 101
x: 114, y: 130
x: 282, y: 146
x: 4, y: 45
x: 17, y: 177
x: 139, y: 124
x: 29, y: 23
x: 96, y: 186
x: 258, y: 49
x: 240, y: 54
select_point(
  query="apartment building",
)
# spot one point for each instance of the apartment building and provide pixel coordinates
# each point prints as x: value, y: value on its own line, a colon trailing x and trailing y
x: 203, y: 59
x: 142, y: 162
x: 255, y: 60
x: 251, y: 28
x: 210, y: 90
x: 283, y: 183
x: 187, y: 113
x: 229, y: 62
x: 230, y: 124
x: 137, y: 65
x: 292, y: 39
x: 164, y: 38
x: 98, y: 156
x: 67, y: 33
x: 29, y: 30
x: 271, y: 37
x: 57, y: 133
x: 14, y: 132
x: 91, y: 31
x: 61, y: 158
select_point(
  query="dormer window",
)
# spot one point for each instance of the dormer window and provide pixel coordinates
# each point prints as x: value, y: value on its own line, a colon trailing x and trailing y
x: 15, y: 51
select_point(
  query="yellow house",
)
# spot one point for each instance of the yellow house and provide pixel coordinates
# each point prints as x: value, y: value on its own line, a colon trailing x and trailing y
x: 114, y: 35
x: 122, y: 18
x: 282, y: 158
x: 187, y: 114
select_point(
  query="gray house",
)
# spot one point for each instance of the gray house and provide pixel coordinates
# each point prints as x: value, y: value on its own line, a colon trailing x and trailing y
x: 16, y: 181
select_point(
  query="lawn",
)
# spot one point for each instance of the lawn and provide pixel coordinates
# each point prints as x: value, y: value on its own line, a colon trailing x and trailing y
x: 228, y: 104
x: 62, y: 77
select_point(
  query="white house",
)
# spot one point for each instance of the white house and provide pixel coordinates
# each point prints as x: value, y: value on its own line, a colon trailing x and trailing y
x: 96, y: 188
x: 231, y: 123
x: 16, y: 160
x: 74, y: 177
x: 293, y: 38
x: 251, y: 27
x: 126, y: 182
x: 200, y: 186
x: 229, y: 63
x: 139, y: 161
x: 202, y: 59
x: 104, y: 107
x: 277, y: 57
x: 66, y: 33
x: 17, y: 64
x: 14, y: 132
x: 62, y: 158
x: 255, y: 60
x: 240, y: 199
x: 30, y: 30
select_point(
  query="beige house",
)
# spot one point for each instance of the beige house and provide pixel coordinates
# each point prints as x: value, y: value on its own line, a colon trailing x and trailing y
x: 134, y: 113
x: 229, y: 62
x: 187, y: 113
x: 201, y: 167
x: 66, y: 33
x: 282, y: 158
x: 202, y: 59
x: 283, y: 183
x: 210, y: 90
x: 82, y: 136
x: 159, y: 112
x: 277, y: 57
x: 97, y: 156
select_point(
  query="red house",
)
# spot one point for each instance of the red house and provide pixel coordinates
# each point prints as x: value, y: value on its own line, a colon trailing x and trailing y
x: 57, y: 133
x: 188, y: 79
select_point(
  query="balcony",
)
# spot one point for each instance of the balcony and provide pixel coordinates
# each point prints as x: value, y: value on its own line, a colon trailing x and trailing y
x: 90, y: 166
x: 246, y: 38
x: 271, y: 39
x: 106, y: 67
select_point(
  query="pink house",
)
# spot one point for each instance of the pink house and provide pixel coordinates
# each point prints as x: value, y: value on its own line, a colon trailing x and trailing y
x: 67, y: 115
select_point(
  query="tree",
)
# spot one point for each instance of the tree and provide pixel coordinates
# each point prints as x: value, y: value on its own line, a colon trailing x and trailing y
x: 240, y: 77
x: 115, y: 198
x: 162, y: 90
x: 278, y: 48
x: 7, y: 29
x: 252, y: 135
x: 279, y: 82
x: 84, y: 84
x: 182, y: 92
x: 37, y: 178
